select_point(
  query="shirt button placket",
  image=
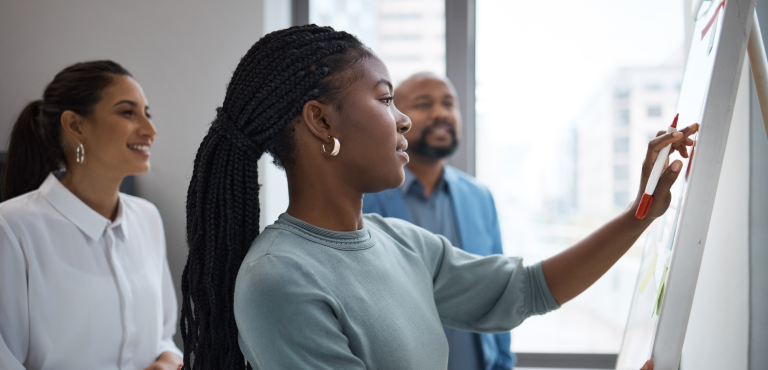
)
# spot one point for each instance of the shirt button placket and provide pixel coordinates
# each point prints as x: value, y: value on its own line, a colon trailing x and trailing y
x: 125, y: 357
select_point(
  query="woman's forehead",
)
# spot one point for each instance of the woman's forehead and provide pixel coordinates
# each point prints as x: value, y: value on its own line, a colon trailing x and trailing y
x: 123, y: 88
x: 372, y: 73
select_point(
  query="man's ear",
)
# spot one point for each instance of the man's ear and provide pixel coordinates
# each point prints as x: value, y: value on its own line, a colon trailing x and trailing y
x: 72, y: 124
x: 316, y: 116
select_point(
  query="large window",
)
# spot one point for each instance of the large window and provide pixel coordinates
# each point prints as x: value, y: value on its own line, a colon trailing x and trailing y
x: 409, y: 36
x: 568, y: 92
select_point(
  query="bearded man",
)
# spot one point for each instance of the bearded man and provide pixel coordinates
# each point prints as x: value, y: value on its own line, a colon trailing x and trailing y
x: 446, y: 201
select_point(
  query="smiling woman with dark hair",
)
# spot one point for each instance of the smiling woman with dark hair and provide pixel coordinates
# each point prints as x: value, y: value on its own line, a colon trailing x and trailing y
x: 84, y: 279
x: 326, y: 287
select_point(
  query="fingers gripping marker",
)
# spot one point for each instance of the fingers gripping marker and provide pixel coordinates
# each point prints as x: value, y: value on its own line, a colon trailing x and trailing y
x: 645, y: 205
x: 653, y: 178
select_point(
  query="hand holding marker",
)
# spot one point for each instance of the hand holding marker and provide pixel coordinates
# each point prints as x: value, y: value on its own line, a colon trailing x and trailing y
x: 653, y: 179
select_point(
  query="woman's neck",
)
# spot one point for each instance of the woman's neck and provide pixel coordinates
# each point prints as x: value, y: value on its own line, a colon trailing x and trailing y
x: 96, y: 190
x: 324, y: 201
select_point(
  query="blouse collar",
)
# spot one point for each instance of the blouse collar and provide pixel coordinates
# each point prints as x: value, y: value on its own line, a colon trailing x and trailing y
x: 84, y: 217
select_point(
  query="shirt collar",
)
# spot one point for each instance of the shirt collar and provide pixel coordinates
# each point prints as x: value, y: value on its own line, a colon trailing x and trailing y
x: 120, y: 219
x: 411, y: 179
x: 85, y: 218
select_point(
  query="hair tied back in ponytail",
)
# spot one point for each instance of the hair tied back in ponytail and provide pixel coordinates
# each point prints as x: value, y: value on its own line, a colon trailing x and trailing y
x: 226, y: 126
x: 28, y: 161
x: 267, y: 92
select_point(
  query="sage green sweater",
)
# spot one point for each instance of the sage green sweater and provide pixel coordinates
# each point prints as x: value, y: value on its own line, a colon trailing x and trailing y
x: 375, y: 298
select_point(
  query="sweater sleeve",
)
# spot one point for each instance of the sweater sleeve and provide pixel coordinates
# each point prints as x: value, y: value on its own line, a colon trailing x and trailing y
x: 486, y: 294
x: 490, y: 294
x: 286, y: 318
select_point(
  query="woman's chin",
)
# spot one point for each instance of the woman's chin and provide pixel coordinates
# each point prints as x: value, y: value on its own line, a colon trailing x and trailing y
x: 393, y: 181
x: 138, y: 169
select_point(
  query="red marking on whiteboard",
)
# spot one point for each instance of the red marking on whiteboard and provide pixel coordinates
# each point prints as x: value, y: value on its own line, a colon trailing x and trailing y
x: 712, y: 21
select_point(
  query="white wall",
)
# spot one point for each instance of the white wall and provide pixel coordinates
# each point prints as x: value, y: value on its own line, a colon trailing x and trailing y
x: 181, y: 52
x: 718, y: 329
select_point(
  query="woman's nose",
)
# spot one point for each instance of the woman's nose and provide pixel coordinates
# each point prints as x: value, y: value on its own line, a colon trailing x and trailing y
x: 403, y: 122
x: 147, y: 128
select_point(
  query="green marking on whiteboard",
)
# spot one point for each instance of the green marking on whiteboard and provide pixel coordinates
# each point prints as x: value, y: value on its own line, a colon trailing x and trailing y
x: 660, y: 298
x: 648, y: 274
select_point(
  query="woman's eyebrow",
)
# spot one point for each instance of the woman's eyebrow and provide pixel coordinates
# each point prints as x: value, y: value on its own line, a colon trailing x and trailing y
x: 384, y: 82
x: 129, y: 102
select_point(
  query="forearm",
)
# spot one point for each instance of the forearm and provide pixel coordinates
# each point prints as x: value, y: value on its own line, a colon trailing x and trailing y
x: 572, y: 271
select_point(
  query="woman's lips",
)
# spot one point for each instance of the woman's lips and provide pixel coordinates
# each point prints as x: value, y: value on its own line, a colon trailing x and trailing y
x: 401, y: 152
x: 402, y: 146
x: 139, y: 147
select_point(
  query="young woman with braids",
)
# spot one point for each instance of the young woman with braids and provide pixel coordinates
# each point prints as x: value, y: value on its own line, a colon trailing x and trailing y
x: 326, y: 287
x: 84, y: 279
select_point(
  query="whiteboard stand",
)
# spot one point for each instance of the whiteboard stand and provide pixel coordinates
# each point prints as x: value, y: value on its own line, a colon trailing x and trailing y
x: 759, y: 65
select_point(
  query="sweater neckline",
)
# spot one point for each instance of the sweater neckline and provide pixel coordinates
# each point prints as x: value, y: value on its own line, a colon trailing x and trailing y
x: 342, y: 240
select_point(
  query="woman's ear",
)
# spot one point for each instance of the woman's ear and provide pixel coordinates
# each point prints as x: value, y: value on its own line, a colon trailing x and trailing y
x: 72, y: 125
x: 317, y: 117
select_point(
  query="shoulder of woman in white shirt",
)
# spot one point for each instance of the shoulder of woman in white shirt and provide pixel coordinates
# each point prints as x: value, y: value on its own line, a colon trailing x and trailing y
x: 28, y: 208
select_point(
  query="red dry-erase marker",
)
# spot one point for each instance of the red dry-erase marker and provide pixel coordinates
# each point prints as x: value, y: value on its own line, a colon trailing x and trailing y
x: 653, y: 180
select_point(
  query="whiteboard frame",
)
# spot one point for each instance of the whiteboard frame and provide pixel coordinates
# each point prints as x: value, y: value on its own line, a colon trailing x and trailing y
x: 698, y: 202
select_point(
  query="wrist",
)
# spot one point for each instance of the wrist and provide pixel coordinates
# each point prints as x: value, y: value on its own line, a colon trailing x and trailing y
x: 628, y: 217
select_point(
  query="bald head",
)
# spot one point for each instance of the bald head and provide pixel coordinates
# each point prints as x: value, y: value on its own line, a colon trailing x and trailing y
x: 431, y: 103
x: 422, y: 79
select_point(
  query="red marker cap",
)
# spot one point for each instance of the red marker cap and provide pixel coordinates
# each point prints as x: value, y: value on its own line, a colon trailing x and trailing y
x: 645, y: 205
x: 674, y: 121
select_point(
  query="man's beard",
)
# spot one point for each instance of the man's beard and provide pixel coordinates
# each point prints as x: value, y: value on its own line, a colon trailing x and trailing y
x: 435, y: 152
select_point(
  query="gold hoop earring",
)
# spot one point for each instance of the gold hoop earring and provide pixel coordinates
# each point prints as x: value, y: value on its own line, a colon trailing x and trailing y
x: 336, y: 147
x: 80, y: 154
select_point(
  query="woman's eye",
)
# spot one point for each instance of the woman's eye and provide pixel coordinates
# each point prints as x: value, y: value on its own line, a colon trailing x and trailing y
x: 387, y: 100
x: 128, y: 113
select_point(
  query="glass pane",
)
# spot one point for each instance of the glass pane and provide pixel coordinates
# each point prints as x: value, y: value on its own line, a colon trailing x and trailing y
x: 409, y: 36
x: 568, y: 94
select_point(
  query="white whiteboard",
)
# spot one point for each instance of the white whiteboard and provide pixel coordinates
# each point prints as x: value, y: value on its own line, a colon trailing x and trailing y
x: 675, y: 243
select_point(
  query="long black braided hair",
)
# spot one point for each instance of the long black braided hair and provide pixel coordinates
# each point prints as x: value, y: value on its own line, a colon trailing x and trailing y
x: 269, y: 87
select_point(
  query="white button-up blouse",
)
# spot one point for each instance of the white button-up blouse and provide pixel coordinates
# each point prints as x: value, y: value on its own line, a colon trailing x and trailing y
x: 78, y: 291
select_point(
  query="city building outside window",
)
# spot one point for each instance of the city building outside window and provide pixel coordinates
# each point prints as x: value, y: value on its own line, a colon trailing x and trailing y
x: 621, y: 145
x: 583, y: 77
x: 409, y: 36
x: 654, y: 111
x: 621, y: 198
x: 623, y: 117
x: 621, y: 172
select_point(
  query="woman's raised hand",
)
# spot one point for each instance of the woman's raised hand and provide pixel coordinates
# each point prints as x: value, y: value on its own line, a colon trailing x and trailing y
x: 661, y: 196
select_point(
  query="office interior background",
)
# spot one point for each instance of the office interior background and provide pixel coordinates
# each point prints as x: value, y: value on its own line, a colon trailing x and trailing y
x: 558, y: 99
